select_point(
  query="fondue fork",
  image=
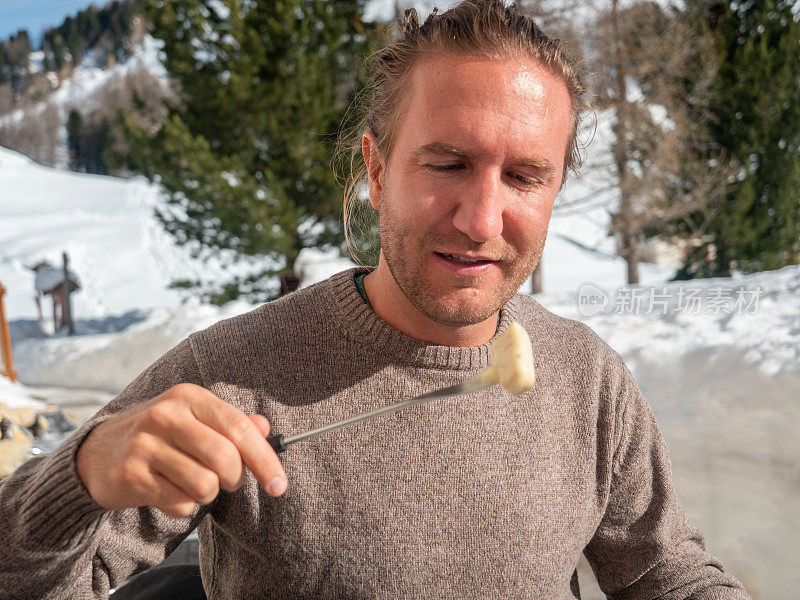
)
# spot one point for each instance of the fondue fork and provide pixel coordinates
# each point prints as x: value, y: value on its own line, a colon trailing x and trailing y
x: 512, y: 366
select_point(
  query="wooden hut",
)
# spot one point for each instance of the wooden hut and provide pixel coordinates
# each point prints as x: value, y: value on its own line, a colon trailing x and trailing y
x: 57, y: 283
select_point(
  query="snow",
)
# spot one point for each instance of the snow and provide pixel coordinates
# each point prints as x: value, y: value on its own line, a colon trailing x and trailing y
x: 314, y: 265
x: 383, y: 11
x: 107, y: 353
x: 118, y: 250
x: 755, y: 316
x: 80, y: 91
x: 48, y: 278
x: 36, y: 61
x: 14, y: 395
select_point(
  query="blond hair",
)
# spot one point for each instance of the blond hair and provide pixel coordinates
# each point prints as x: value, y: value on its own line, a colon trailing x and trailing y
x: 482, y: 27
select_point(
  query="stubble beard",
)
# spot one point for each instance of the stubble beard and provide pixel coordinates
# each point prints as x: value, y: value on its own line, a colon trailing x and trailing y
x: 405, y: 258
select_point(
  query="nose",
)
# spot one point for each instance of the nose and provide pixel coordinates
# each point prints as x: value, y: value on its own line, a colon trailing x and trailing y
x: 479, y: 212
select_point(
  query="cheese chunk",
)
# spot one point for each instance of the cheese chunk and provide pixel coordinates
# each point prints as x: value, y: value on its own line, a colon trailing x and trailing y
x: 512, y: 361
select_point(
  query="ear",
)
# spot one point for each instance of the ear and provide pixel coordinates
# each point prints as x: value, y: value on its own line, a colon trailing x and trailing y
x: 375, y: 168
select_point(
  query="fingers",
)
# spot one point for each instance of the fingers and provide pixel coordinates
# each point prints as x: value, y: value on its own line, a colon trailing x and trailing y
x: 213, y: 451
x: 176, y: 451
x: 139, y: 484
x: 196, y: 481
x: 261, y: 423
x: 170, y: 499
x: 245, y: 435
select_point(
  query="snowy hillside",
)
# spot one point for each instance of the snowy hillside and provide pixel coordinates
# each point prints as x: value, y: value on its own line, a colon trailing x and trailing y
x: 84, y: 87
x: 121, y: 255
x: 81, y: 88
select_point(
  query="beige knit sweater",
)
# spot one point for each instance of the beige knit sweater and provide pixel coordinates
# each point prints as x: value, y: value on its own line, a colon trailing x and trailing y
x: 488, y: 495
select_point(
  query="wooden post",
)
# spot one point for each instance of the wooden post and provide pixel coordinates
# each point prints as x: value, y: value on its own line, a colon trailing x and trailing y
x: 5, y: 340
x: 66, y: 308
x: 56, y: 319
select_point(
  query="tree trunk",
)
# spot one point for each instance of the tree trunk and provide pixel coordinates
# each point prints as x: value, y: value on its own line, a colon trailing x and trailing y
x: 626, y: 216
x: 631, y: 249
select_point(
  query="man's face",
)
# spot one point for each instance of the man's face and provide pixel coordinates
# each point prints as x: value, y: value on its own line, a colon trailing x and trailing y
x: 475, y: 168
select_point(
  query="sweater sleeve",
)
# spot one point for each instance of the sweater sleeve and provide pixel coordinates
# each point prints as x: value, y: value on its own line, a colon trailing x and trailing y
x: 57, y: 542
x: 645, y: 547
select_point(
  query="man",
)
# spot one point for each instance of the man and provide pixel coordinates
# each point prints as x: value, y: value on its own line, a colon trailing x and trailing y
x: 465, y: 147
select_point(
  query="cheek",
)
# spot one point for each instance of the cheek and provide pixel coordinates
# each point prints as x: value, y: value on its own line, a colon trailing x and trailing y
x: 428, y: 203
x: 526, y: 225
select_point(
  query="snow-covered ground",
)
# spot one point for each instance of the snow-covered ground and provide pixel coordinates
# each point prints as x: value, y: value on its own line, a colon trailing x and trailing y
x: 756, y: 316
x: 81, y: 91
x: 14, y: 394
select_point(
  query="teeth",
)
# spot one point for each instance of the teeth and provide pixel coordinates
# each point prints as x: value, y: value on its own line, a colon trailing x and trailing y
x: 459, y: 259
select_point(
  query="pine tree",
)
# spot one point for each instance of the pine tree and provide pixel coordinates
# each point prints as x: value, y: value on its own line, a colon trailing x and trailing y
x: 17, y: 58
x: 75, y: 141
x: 755, y: 105
x: 244, y: 158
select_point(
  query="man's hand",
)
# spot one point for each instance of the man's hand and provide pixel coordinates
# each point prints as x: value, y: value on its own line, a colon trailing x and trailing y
x: 175, y: 451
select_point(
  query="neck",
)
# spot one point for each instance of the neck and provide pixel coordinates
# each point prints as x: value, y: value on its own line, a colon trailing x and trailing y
x: 393, y: 307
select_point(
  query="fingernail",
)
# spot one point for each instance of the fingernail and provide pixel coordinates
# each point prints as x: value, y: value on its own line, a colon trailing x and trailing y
x: 277, y: 486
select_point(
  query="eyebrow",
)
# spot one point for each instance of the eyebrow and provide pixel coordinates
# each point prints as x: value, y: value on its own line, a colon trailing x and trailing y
x: 539, y: 164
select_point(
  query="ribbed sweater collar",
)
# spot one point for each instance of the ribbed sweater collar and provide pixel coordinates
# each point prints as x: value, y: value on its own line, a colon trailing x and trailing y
x: 364, y: 327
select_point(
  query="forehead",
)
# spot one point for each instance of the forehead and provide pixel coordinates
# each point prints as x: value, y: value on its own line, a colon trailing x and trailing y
x: 496, y: 104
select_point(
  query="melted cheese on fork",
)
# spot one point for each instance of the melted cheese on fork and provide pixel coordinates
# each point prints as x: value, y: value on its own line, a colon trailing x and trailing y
x: 512, y: 361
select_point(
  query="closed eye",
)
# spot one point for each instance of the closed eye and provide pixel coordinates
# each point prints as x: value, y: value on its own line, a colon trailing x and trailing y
x: 523, y: 180
x: 443, y: 168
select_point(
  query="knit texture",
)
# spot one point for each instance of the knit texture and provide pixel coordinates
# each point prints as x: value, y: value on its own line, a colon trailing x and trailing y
x: 467, y: 497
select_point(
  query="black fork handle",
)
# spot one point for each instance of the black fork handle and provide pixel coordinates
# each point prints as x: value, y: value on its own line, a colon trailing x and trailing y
x: 277, y: 443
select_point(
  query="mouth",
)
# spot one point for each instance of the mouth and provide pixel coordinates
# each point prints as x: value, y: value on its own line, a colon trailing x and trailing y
x: 464, y: 260
x: 460, y: 259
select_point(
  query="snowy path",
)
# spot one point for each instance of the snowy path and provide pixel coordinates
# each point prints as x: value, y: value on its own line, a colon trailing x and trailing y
x: 77, y: 404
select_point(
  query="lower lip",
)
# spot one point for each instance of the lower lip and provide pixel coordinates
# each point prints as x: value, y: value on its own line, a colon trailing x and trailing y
x: 462, y: 269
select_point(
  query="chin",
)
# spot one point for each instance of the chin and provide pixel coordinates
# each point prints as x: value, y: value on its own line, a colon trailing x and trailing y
x: 460, y: 312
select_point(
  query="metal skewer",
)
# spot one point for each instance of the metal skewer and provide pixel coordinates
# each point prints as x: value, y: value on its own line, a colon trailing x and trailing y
x: 514, y: 371
x: 279, y: 443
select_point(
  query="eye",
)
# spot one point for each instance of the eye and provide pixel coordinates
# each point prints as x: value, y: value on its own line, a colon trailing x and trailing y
x: 523, y: 180
x: 443, y: 168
